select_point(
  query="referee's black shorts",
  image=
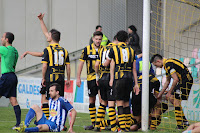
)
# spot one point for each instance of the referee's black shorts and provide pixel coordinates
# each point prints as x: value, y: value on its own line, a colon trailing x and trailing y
x: 8, y: 85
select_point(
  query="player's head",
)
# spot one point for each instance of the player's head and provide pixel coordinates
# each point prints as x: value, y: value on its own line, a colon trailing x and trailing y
x: 97, y: 38
x: 98, y: 28
x: 115, y: 39
x: 122, y: 36
x: 54, y: 35
x: 7, y: 37
x: 131, y: 29
x: 157, y: 60
x: 54, y: 90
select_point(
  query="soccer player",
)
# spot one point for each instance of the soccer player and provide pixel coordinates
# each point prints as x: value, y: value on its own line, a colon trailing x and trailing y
x: 59, y: 107
x: 181, y: 86
x: 105, y: 89
x: 54, y: 60
x: 154, y: 85
x: 104, y: 41
x: 124, y: 71
x: 90, y: 54
x: 8, y: 80
x: 194, y: 128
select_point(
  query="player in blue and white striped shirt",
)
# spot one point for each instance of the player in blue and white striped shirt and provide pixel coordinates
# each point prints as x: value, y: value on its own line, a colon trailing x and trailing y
x: 58, y: 109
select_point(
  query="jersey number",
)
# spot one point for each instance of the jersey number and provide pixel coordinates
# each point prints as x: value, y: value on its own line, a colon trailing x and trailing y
x: 125, y: 55
x: 58, y: 58
x: 105, y: 54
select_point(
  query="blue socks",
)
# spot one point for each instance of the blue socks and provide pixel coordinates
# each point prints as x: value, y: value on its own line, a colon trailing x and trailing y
x: 29, y: 117
x: 32, y: 129
x: 17, y: 114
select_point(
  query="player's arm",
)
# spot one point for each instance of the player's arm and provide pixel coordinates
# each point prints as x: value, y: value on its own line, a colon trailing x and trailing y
x: 37, y: 54
x: 73, y: 118
x: 44, y: 69
x: 136, y: 87
x: 68, y: 69
x: 174, y: 83
x: 112, y: 71
x: 109, y: 57
x: 45, y: 59
x: 194, y: 127
x: 43, y: 26
x: 80, y: 67
x: 165, y: 86
x: 97, y: 71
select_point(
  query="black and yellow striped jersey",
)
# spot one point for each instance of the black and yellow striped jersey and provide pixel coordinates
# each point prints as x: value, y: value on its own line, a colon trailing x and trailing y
x: 124, y: 57
x: 104, y: 71
x: 172, y: 65
x: 154, y: 83
x: 90, y: 55
x: 56, y: 58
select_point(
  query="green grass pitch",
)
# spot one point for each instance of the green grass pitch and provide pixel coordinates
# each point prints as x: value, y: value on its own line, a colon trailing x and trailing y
x: 7, y: 121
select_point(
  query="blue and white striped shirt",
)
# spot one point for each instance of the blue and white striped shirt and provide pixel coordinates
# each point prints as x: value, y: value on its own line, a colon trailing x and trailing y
x: 58, y: 111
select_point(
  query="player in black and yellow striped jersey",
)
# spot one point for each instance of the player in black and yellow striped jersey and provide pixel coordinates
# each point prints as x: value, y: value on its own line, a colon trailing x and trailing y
x: 154, y: 85
x: 54, y: 60
x: 181, y: 86
x: 90, y: 54
x: 105, y: 89
x: 56, y: 57
x: 124, y: 71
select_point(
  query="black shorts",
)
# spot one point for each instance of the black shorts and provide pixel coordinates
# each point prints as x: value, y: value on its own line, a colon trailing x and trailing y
x: 61, y: 83
x: 106, y: 90
x: 137, y: 103
x: 8, y: 85
x: 92, y: 88
x: 182, y: 91
x: 122, y: 89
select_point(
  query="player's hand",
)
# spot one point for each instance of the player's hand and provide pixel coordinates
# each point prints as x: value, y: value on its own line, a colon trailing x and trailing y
x: 78, y: 82
x: 44, y: 82
x: 23, y: 55
x: 68, y: 83
x: 40, y: 16
x: 136, y: 89
x: 111, y: 83
x: 168, y: 95
x: 70, y: 130
x: 159, y: 96
x: 97, y: 82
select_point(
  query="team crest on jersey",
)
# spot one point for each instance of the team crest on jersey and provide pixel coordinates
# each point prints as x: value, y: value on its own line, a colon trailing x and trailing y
x: 53, y: 112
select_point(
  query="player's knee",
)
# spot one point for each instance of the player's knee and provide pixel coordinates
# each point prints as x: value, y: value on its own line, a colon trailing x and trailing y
x: 13, y: 101
x: 40, y: 127
x: 35, y: 107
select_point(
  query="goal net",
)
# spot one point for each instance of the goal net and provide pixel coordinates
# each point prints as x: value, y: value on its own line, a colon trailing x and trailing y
x: 175, y: 33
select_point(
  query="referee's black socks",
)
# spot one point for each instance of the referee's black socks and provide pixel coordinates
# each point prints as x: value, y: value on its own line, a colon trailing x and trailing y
x: 17, y: 114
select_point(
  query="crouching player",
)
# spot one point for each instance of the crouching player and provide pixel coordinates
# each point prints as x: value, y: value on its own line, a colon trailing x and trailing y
x: 58, y: 108
x: 154, y: 104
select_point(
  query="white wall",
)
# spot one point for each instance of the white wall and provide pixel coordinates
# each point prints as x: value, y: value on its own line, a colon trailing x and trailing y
x: 75, y: 19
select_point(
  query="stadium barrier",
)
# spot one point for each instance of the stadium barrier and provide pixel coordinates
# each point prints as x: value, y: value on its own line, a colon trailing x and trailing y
x: 28, y: 93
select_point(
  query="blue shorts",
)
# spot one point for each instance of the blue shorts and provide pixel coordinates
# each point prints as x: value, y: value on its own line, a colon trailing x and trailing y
x: 43, y: 120
x: 8, y: 85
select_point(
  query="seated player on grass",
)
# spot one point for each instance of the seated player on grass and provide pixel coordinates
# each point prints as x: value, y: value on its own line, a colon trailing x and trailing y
x: 58, y: 108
